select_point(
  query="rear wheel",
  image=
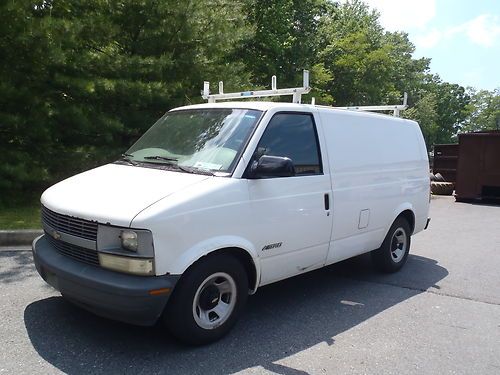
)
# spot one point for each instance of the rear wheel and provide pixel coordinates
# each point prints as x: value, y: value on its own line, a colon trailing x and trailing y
x: 393, y: 253
x: 208, y: 300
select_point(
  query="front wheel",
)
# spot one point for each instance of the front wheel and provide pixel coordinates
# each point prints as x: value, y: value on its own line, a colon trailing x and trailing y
x: 208, y: 300
x: 393, y: 253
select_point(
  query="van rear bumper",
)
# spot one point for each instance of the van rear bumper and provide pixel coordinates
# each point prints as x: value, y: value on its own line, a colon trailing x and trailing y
x: 427, y: 223
x: 106, y: 293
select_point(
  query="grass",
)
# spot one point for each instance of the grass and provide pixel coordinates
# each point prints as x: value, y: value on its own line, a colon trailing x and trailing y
x: 24, y: 217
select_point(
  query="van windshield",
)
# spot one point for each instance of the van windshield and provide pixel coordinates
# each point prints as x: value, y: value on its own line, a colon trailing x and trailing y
x: 201, y: 139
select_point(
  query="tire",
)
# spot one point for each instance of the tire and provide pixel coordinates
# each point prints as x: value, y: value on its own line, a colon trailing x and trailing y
x: 439, y: 177
x: 442, y: 188
x: 207, y: 300
x: 393, y: 253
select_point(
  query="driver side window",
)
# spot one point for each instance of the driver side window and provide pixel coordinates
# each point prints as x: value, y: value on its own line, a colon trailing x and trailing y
x: 293, y: 135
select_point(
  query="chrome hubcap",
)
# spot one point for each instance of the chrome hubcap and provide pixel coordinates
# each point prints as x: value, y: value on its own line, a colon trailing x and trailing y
x: 214, y: 300
x: 398, y: 244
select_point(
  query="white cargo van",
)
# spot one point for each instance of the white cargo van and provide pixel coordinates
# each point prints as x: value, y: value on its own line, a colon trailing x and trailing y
x: 218, y: 199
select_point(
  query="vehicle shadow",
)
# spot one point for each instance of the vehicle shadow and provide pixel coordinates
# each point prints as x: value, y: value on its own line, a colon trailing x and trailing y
x: 280, y: 320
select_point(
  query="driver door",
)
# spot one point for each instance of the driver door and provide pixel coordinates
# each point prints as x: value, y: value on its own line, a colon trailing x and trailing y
x: 291, y: 215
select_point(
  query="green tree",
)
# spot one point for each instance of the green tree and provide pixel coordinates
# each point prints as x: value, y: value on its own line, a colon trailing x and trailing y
x: 484, y: 111
x: 451, y: 107
x: 426, y: 114
x: 81, y: 80
x: 367, y: 65
x: 24, y: 111
x: 284, y: 40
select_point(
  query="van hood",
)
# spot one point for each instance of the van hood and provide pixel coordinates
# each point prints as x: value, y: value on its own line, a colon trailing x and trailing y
x: 115, y: 193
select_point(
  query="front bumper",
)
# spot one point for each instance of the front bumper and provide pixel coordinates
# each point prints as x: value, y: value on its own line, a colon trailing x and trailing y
x: 106, y: 293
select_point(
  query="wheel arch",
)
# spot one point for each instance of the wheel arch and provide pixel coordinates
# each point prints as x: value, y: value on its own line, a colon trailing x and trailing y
x: 410, y: 218
x: 406, y: 211
x: 245, y: 258
x: 242, y: 251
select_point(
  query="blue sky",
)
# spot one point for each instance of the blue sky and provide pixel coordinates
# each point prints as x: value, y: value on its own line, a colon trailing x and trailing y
x: 462, y: 37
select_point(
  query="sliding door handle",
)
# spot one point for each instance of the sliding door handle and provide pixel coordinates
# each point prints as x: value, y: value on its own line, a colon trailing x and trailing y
x: 327, y: 201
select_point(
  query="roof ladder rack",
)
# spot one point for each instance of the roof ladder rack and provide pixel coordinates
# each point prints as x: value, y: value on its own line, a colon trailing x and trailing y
x: 395, y: 108
x: 296, y: 92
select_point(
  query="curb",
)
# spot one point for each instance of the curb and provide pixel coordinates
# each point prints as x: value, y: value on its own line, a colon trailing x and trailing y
x: 23, y: 237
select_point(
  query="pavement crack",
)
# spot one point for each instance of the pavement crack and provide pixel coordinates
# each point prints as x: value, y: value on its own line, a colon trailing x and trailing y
x: 423, y: 290
x: 11, y: 249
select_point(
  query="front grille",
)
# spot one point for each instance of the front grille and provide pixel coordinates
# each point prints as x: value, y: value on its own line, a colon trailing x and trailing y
x: 78, y: 253
x: 70, y: 225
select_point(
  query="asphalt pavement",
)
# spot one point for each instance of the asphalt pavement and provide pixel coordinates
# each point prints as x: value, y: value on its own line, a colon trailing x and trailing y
x: 439, y: 315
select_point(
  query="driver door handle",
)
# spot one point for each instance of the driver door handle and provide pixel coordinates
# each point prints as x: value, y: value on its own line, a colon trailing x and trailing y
x: 327, y: 202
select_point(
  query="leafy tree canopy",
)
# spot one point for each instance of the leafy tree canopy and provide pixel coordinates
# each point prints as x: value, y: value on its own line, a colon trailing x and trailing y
x: 81, y: 80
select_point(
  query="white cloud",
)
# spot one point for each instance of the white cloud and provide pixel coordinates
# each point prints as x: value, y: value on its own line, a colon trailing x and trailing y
x: 414, y: 16
x: 484, y: 30
x: 397, y: 15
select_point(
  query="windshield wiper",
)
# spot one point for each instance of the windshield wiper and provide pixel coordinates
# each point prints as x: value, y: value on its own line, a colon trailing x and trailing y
x: 195, y: 170
x: 171, y: 162
x: 128, y: 157
x: 158, y: 157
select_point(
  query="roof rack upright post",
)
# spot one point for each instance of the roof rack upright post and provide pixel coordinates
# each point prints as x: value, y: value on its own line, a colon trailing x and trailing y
x: 206, y: 92
x: 297, y: 95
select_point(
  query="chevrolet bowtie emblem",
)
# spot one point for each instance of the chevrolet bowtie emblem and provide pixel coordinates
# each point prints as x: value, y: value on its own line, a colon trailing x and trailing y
x: 56, y: 235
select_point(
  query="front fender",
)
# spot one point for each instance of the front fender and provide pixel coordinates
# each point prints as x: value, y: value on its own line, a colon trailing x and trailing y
x: 213, y: 244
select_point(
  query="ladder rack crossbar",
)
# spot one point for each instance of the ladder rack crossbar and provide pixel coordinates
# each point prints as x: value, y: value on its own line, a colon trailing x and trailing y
x: 257, y: 94
x: 296, y: 91
x: 396, y: 108
x: 375, y: 107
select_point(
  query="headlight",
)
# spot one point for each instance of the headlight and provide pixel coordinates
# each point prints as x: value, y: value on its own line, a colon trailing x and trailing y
x: 129, y: 240
x: 136, y: 266
x: 126, y: 250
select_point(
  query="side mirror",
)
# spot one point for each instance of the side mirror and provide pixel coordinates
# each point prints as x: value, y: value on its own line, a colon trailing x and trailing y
x: 272, y: 166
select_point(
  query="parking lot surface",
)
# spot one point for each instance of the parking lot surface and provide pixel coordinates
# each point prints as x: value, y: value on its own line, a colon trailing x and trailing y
x: 439, y: 314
